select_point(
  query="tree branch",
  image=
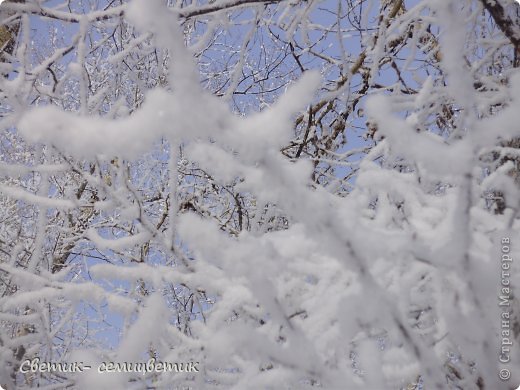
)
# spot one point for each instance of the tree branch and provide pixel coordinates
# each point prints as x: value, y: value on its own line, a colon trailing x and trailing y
x: 223, y: 5
x: 508, y: 23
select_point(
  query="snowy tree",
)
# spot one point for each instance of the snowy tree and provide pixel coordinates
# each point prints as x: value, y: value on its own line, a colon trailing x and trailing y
x: 287, y: 194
